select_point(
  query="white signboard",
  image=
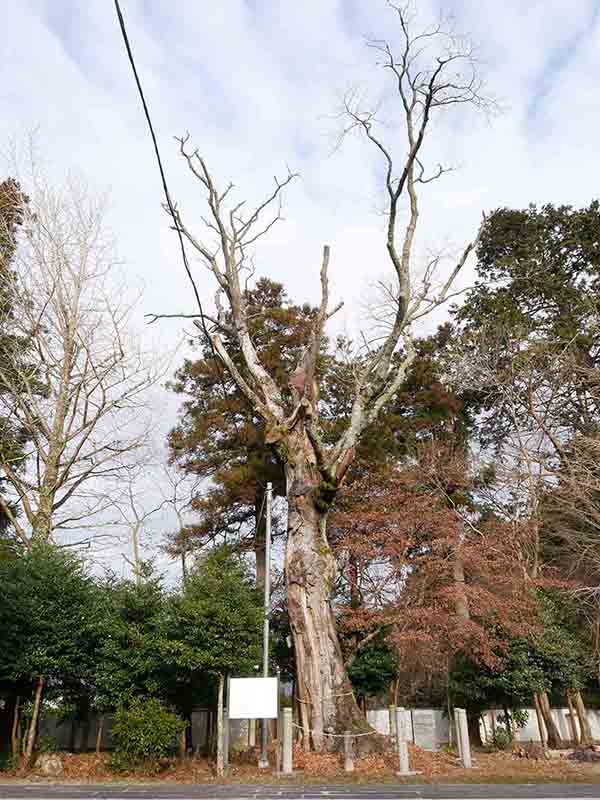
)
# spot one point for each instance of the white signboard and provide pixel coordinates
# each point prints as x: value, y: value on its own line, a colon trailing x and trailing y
x: 253, y: 698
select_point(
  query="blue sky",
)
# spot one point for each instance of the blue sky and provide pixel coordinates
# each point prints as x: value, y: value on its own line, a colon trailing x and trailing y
x: 258, y: 83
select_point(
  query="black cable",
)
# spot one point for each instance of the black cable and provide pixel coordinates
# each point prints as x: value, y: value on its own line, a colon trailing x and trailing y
x: 162, y: 172
x: 260, y: 513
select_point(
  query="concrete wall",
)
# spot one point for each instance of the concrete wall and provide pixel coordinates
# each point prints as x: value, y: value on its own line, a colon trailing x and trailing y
x: 78, y: 736
x: 429, y: 727
x: 531, y: 731
x: 431, y: 730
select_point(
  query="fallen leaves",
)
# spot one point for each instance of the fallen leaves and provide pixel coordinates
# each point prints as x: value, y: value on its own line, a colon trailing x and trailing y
x: 441, y: 766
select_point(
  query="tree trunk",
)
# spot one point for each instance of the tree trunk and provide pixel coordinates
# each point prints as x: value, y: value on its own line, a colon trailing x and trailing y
x: 184, y: 572
x: 34, y: 721
x: 473, y: 719
x: 15, y: 736
x: 324, y: 690
x: 220, y: 752
x: 353, y: 576
x: 584, y: 725
x: 99, y: 732
x: 572, y: 715
x: 135, y: 545
x: 259, y: 540
x: 540, y: 721
x: 554, y: 737
x: 461, y: 601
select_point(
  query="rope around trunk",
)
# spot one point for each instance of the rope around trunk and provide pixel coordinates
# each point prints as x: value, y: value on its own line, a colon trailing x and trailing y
x: 334, y: 735
x: 325, y: 697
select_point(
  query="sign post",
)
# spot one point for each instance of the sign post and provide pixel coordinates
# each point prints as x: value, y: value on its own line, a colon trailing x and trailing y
x: 263, y: 761
x: 253, y: 698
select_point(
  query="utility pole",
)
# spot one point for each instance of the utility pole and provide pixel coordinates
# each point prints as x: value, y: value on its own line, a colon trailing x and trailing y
x: 263, y: 762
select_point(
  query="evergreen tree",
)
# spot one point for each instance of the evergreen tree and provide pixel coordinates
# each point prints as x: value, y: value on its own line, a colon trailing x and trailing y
x: 14, y: 351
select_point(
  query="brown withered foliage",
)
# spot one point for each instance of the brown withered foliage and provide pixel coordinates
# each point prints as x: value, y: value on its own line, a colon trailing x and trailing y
x: 398, y: 534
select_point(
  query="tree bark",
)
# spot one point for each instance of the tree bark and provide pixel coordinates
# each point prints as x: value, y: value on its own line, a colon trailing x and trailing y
x: 99, y: 732
x: 324, y: 690
x: 259, y: 541
x: 184, y: 572
x: 540, y: 721
x: 473, y: 719
x: 572, y: 715
x: 461, y: 601
x: 15, y: 736
x: 34, y: 720
x: 584, y: 725
x: 220, y: 752
x: 355, y: 600
x: 554, y: 737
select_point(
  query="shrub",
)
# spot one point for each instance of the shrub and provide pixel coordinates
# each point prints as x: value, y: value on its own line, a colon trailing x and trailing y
x: 47, y: 744
x: 502, y: 740
x: 144, y: 732
x: 8, y: 762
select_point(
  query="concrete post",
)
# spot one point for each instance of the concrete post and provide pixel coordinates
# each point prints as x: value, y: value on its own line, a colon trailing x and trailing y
x: 251, y: 733
x: 226, y: 738
x: 457, y: 733
x: 465, y: 746
x: 401, y: 743
x: 348, y: 755
x: 287, y: 742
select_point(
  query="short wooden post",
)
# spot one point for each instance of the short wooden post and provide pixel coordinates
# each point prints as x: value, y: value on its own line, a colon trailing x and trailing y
x: 251, y: 733
x: 287, y: 767
x: 348, y: 753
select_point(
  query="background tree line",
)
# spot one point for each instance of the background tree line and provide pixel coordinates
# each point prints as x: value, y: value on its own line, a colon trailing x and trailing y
x: 465, y: 533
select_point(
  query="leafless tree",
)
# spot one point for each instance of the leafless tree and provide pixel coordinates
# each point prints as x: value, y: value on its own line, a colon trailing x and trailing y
x: 178, y: 490
x: 136, y: 504
x: 80, y: 398
x: 433, y: 72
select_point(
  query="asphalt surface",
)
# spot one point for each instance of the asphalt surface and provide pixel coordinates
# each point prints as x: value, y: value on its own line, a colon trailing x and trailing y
x: 547, y: 791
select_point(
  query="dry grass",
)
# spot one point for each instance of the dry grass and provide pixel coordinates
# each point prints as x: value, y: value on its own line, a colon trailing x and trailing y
x: 440, y: 767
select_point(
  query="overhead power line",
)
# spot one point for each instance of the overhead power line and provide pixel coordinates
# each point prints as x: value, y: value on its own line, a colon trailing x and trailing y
x: 163, y: 177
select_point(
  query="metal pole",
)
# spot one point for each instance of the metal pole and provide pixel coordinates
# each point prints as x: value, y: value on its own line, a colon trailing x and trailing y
x: 263, y: 762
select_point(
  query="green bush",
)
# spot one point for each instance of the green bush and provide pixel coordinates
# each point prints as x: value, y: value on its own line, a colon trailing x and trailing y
x: 7, y: 762
x: 47, y: 744
x: 144, y: 732
x: 502, y: 740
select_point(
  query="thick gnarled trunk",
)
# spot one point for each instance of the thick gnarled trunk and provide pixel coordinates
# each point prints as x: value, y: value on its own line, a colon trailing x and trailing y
x: 325, y: 696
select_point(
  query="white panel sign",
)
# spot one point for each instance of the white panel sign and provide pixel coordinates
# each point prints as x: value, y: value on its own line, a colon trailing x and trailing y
x: 253, y: 698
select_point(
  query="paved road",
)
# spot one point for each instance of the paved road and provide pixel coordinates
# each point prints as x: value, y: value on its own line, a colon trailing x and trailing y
x: 546, y: 791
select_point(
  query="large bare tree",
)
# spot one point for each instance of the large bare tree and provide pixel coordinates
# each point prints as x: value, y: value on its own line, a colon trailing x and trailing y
x: 433, y: 71
x: 79, y: 396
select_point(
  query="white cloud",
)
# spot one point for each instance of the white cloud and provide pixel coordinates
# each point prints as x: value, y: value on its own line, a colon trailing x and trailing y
x: 256, y: 83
